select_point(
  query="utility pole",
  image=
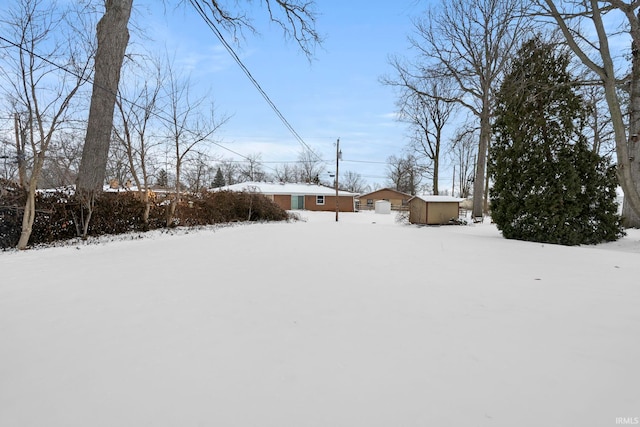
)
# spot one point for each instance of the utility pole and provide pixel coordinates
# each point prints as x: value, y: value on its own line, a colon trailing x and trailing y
x: 20, y: 141
x: 338, y: 157
x: 453, y: 182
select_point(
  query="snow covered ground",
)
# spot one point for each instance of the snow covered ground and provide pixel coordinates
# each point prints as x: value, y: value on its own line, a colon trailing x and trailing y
x: 365, y: 322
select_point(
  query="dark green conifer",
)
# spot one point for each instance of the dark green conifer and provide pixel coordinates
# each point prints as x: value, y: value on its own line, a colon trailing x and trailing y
x: 218, y: 180
x: 548, y: 186
x: 163, y: 179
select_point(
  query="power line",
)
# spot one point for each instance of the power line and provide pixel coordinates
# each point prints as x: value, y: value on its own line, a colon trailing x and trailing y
x: 246, y: 71
x: 212, y: 26
x: 366, y: 161
x: 89, y: 80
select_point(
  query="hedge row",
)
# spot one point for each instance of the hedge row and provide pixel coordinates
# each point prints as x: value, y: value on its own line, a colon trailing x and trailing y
x: 59, y: 214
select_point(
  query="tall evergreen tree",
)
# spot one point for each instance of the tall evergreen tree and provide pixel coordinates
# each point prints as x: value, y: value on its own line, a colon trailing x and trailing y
x: 218, y: 180
x: 548, y: 186
x: 163, y: 178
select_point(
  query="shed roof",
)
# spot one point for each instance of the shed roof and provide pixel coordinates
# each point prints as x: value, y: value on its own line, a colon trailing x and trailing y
x: 437, y: 199
x: 286, y: 189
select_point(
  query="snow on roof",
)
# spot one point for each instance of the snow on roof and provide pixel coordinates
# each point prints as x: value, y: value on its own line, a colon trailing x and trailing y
x: 432, y: 198
x: 385, y: 189
x: 285, y: 189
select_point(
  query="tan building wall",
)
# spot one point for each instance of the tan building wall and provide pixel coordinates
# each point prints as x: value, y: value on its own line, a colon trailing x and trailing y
x: 398, y: 200
x: 431, y: 213
x: 310, y: 203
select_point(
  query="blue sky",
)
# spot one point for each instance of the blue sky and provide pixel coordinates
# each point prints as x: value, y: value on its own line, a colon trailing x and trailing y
x: 336, y: 95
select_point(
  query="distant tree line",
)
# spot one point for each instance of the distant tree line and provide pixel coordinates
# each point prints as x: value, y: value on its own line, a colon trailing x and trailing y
x: 460, y: 54
x: 155, y: 130
x: 151, y: 129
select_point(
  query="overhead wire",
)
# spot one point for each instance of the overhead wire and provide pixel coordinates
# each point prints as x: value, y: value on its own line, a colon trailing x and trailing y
x: 246, y: 71
x: 213, y: 27
x: 88, y: 79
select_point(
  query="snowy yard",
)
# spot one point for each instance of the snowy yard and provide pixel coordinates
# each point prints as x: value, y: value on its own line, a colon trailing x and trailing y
x: 361, y: 323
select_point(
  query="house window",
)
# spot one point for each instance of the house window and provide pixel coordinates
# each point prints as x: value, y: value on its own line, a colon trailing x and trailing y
x: 319, y: 200
x: 370, y: 202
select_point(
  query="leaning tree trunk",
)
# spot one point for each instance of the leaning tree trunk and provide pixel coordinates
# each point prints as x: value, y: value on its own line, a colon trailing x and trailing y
x: 29, y: 215
x: 28, y: 218
x: 113, y: 36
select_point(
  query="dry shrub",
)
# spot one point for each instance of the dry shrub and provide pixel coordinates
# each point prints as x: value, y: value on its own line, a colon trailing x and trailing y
x: 58, y: 214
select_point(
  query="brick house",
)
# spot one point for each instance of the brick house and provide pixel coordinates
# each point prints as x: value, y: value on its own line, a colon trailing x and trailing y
x: 289, y: 196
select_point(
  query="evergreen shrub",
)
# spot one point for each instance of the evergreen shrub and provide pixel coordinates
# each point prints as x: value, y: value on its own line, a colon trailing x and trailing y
x: 548, y: 185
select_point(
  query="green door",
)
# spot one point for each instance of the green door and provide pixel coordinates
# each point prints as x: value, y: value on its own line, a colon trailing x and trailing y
x: 297, y: 202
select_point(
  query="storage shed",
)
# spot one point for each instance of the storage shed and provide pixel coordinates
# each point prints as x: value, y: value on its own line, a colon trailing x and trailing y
x: 433, y: 210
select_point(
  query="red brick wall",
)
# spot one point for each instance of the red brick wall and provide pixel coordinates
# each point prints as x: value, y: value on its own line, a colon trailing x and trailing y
x: 345, y: 203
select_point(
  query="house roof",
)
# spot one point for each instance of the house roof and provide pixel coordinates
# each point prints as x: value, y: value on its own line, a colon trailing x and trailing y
x: 437, y: 199
x: 285, y: 189
x: 385, y: 189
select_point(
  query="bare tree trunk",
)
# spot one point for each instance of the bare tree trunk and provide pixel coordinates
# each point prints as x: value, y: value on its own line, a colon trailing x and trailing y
x: 176, y: 197
x: 470, y: 42
x: 29, y: 215
x: 479, y: 179
x: 436, y: 173
x: 626, y: 151
x: 486, y: 194
x: 113, y: 37
x: 28, y: 218
x: 631, y: 217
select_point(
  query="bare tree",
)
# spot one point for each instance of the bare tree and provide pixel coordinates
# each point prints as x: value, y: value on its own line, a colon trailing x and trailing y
x: 199, y: 172
x: 372, y: 187
x: 463, y: 153
x: 593, y: 48
x: 470, y: 42
x: 230, y: 171
x: 295, y: 17
x: 310, y: 166
x: 353, y: 182
x: 251, y: 169
x: 598, y: 125
x: 137, y: 111
x: 190, y: 125
x: 425, y: 105
x: 118, y: 170
x: 405, y: 173
x: 286, y: 173
x: 113, y: 37
x: 41, y: 76
x: 61, y: 167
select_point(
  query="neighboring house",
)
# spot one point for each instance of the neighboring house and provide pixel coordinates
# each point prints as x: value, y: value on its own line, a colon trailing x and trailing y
x: 433, y: 209
x: 288, y: 196
x: 398, y: 199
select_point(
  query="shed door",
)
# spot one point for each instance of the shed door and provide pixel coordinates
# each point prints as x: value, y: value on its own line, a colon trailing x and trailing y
x: 297, y: 202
